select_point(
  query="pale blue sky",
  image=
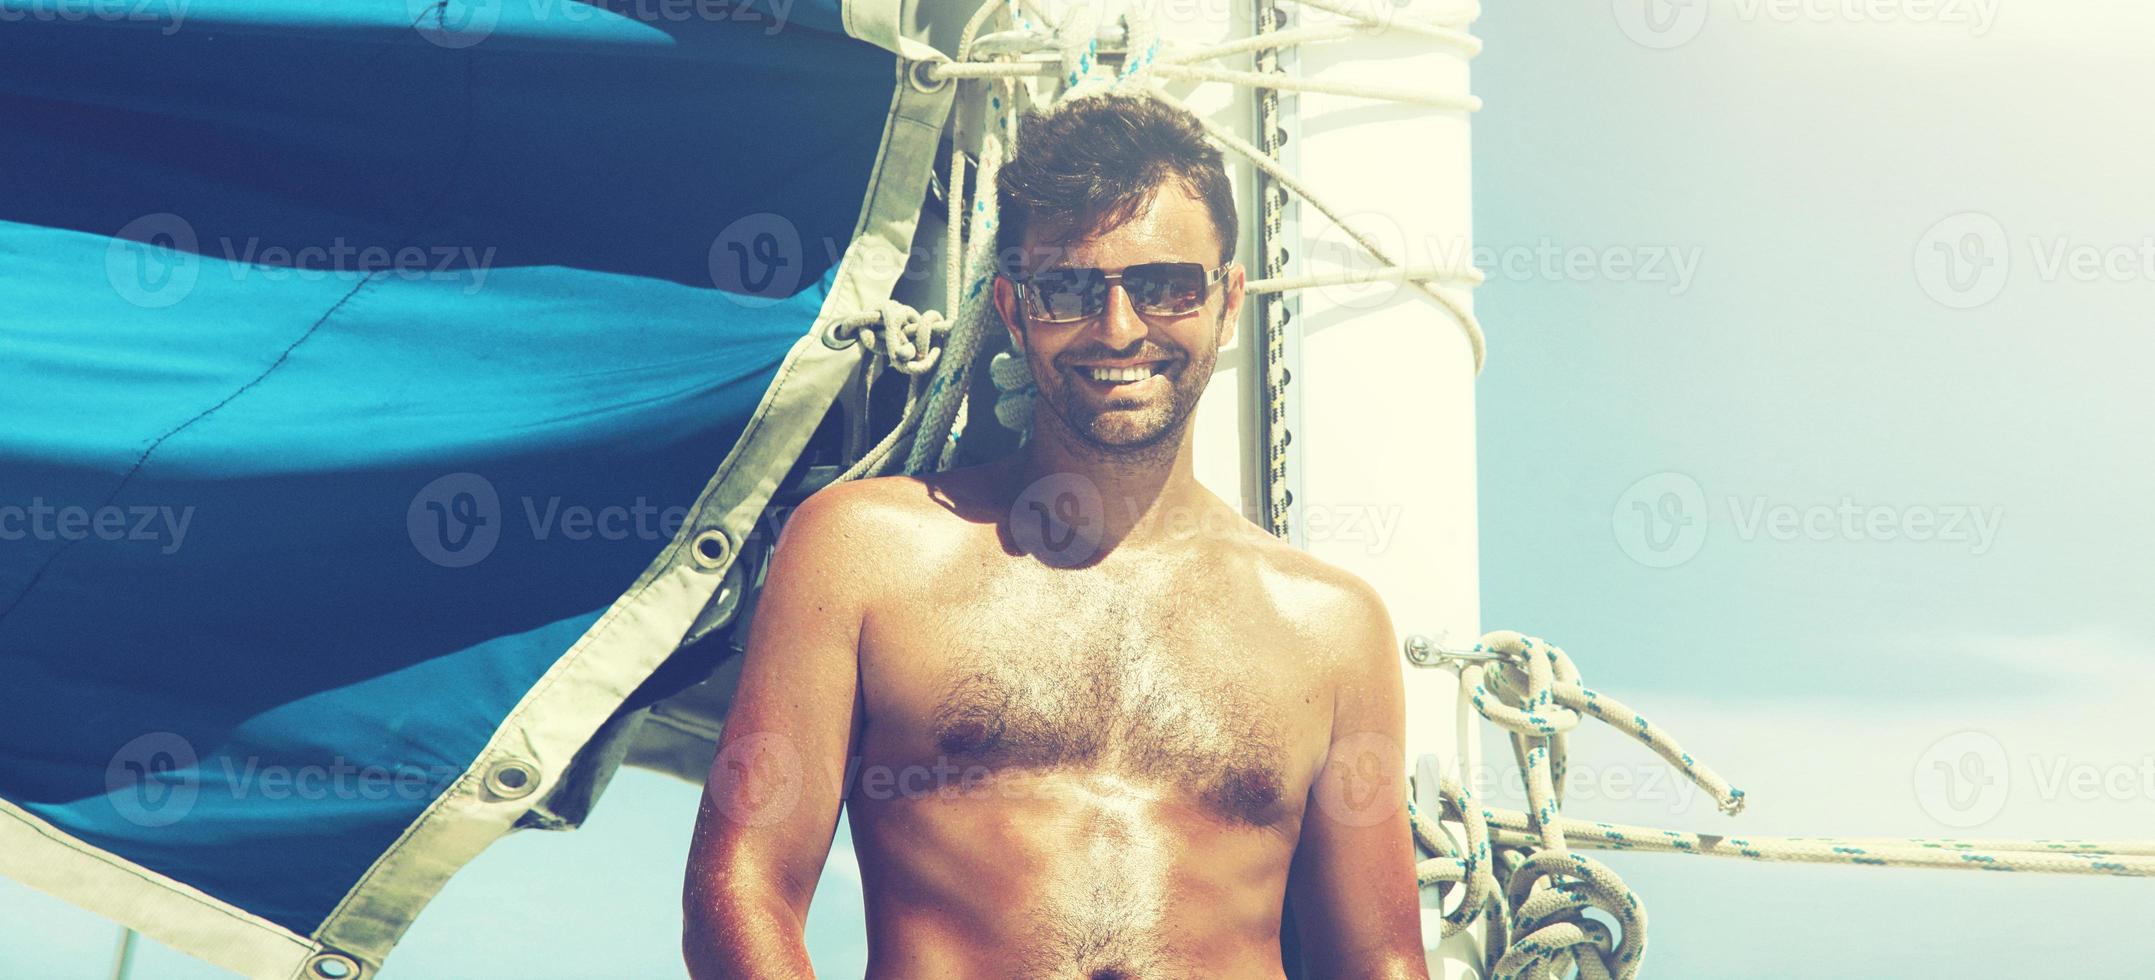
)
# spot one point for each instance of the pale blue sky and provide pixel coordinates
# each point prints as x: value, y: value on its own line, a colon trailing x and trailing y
x: 1806, y: 169
x: 1804, y: 163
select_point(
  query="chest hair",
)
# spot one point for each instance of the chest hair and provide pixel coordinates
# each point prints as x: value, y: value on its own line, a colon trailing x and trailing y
x: 1110, y: 679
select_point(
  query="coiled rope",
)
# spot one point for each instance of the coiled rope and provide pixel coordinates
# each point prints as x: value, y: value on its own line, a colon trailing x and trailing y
x: 1520, y: 873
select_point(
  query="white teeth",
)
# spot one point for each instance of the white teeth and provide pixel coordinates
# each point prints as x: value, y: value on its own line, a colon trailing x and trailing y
x: 1139, y: 373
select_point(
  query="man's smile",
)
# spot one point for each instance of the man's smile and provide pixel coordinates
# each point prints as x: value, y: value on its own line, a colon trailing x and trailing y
x: 1111, y: 378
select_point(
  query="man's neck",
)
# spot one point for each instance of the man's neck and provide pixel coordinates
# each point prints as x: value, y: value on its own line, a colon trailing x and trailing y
x: 1144, y: 495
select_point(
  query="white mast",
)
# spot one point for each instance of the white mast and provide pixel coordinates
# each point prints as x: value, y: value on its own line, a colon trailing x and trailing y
x: 1382, y: 377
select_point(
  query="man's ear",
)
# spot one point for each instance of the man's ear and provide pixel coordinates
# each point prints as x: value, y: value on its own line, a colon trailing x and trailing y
x: 1006, y: 307
x: 1231, y: 310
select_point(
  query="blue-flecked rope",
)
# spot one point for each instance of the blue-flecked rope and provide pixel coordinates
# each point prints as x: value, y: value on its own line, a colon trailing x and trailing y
x: 1538, y: 927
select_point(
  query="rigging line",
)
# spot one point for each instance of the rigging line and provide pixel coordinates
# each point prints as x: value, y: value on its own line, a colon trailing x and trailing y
x: 946, y: 399
x: 1388, y: 93
x: 1466, y: 320
x: 1466, y: 44
x: 1531, y: 689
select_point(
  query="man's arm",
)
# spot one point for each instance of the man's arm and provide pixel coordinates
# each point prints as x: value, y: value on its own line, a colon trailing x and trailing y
x: 771, y: 801
x: 1356, y: 904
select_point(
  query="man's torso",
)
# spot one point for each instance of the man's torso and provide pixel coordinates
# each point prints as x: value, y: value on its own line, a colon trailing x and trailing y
x: 1095, y: 772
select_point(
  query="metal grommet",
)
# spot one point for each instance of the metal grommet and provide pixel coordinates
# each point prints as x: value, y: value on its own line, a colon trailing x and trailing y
x: 512, y: 779
x: 832, y: 340
x: 329, y: 965
x: 712, y: 548
x: 921, y: 74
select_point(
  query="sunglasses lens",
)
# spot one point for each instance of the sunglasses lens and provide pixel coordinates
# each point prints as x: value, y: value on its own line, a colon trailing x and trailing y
x: 1157, y: 288
x: 1166, y: 287
x: 1067, y: 294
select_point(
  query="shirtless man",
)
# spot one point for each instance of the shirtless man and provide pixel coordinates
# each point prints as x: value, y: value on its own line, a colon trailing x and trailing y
x: 1089, y: 722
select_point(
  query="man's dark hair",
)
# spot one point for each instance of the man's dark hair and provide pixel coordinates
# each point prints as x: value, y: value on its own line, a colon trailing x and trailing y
x: 1086, y: 165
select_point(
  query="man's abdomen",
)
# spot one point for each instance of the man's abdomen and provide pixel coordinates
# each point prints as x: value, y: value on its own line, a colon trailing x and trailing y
x: 1064, y: 875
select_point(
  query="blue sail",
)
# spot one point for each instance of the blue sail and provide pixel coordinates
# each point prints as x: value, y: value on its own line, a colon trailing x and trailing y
x: 354, y: 360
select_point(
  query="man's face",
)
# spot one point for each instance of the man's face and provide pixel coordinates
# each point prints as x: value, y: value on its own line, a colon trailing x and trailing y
x: 1180, y: 350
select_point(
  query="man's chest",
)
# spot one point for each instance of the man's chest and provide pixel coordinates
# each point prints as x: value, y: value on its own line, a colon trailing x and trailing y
x: 1179, y: 688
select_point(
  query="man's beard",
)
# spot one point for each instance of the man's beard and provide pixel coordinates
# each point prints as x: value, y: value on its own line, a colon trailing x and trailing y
x: 1113, y: 430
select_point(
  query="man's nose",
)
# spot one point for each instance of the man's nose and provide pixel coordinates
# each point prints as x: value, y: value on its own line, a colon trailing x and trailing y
x: 1120, y: 326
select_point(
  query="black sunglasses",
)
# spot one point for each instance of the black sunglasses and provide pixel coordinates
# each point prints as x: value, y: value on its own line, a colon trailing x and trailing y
x: 1066, y: 295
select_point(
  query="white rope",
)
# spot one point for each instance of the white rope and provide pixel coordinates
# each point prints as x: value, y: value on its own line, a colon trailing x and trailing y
x: 1466, y: 277
x: 1308, y: 34
x: 947, y: 392
x: 1177, y: 69
x: 969, y: 264
x: 1460, y: 314
x: 1389, y: 93
x: 910, y: 341
x: 1467, y: 13
x: 1081, y: 73
x: 1523, y: 878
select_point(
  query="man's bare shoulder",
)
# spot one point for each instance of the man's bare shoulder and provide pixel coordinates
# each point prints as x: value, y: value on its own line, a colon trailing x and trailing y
x: 1308, y: 587
x: 886, y: 524
x: 1341, y: 631
x: 882, y: 502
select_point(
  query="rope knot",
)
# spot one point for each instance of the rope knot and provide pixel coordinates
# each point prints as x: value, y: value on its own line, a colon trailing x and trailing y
x: 910, y: 339
x: 1550, y: 894
x: 1077, y: 35
x: 1519, y: 695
